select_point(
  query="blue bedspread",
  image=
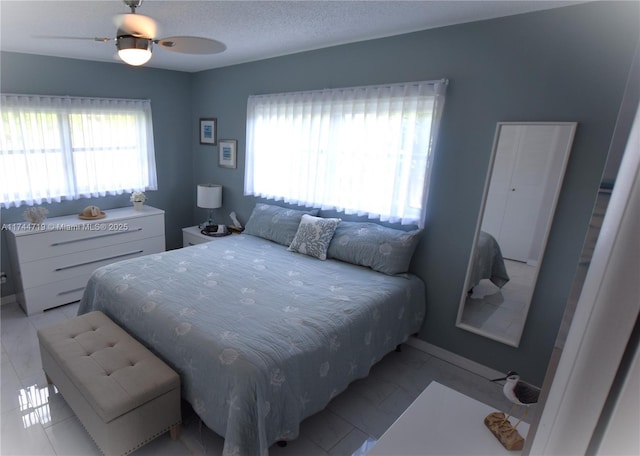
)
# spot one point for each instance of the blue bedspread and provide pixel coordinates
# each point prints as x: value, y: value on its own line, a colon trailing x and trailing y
x: 261, y: 337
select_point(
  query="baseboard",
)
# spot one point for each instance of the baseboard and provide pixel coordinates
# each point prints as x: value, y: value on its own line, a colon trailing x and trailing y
x: 9, y: 299
x: 456, y: 360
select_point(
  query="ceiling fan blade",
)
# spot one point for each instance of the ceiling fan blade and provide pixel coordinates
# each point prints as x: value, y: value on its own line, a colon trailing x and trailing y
x: 137, y: 25
x: 81, y: 38
x: 191, y: 45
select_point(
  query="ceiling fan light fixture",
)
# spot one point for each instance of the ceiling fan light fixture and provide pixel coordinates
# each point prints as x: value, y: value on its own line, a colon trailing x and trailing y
x: 134, y: 50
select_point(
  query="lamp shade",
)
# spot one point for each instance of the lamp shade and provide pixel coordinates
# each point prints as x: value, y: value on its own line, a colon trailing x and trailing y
x: 134, y: 50
x: 209, y: 196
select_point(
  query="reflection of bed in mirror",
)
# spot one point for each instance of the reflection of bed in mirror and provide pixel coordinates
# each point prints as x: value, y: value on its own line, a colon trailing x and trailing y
x: 488, y: 262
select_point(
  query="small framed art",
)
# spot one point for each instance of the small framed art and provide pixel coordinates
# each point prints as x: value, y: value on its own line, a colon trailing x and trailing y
x: 209, y: 131
x: 228, y: 153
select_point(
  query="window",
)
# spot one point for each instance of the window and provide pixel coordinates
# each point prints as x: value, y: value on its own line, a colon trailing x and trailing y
x: 363, y: 150
x: 55, y: 148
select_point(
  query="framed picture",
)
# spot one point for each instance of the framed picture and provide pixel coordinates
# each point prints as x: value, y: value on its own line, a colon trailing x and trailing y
x: 228, y: 152
x: 209, y: 131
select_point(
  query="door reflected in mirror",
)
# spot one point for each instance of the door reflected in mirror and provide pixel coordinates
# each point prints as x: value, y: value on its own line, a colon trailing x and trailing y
x: 521, y: 191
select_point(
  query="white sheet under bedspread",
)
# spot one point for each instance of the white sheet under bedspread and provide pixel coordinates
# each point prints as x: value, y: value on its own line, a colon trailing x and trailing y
x: 261, y: 337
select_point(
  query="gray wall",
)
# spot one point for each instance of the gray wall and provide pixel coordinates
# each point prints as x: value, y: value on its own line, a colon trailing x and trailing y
x: 569, y: 64
x: 170, y: 95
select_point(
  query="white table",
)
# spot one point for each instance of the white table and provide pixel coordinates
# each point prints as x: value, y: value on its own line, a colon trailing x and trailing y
x: 442, y: 421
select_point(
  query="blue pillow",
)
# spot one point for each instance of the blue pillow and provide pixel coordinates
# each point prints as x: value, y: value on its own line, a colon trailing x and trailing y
x: 314, y: 235
x: 275, y: 223
x: 380, y: 248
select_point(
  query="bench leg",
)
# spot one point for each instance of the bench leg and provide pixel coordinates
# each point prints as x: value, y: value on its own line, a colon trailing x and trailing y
x: 174, y: 432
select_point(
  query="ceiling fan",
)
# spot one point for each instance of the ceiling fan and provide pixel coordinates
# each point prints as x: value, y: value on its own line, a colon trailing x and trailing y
x: 136, y: 35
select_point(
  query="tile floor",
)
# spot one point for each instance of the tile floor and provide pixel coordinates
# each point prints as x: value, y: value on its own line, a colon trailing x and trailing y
x: 35, y: 420
x: 502, y: 311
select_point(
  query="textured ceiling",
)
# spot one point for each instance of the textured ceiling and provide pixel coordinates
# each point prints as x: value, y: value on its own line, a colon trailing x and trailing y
x: 251, y: 30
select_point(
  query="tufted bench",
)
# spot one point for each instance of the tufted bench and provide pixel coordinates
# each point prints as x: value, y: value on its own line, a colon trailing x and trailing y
x: 122, y: 393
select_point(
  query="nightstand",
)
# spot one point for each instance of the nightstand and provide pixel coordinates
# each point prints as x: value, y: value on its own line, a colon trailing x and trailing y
x: 193, y: 236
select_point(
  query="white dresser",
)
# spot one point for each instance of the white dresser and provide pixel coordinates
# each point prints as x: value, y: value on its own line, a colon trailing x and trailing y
x: 52, y: 261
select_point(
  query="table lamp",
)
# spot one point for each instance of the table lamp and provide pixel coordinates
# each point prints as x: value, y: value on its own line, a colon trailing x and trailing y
x: 209, y: 197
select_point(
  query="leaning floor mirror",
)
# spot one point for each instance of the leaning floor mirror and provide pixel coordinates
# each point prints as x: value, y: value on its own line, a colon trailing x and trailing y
x: 521, y: 191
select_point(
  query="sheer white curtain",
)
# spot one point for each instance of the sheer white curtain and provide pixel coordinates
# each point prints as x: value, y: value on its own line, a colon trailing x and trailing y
x: 54, y: 148
x: 361, y: 150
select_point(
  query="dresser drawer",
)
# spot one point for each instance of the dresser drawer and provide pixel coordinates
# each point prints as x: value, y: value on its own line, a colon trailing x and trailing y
x: 192, y: 237
x: 55, y: 294
x: 67, y: 239
x: 48, y: 270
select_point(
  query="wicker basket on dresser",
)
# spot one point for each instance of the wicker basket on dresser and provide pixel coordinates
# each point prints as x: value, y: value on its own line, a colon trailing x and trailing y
x: 52, y: 261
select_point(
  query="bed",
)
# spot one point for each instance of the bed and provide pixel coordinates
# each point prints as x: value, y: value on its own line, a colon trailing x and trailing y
x: 488, y: 263
x: 262, y: 336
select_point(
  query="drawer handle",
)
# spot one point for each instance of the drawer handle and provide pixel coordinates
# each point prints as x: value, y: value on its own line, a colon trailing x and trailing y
x: 64, y: 268
x: 95, y: 237
x: 62, y: 293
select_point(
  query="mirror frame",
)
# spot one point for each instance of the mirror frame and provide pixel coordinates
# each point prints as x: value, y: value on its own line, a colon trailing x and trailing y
x: 554, y: 202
